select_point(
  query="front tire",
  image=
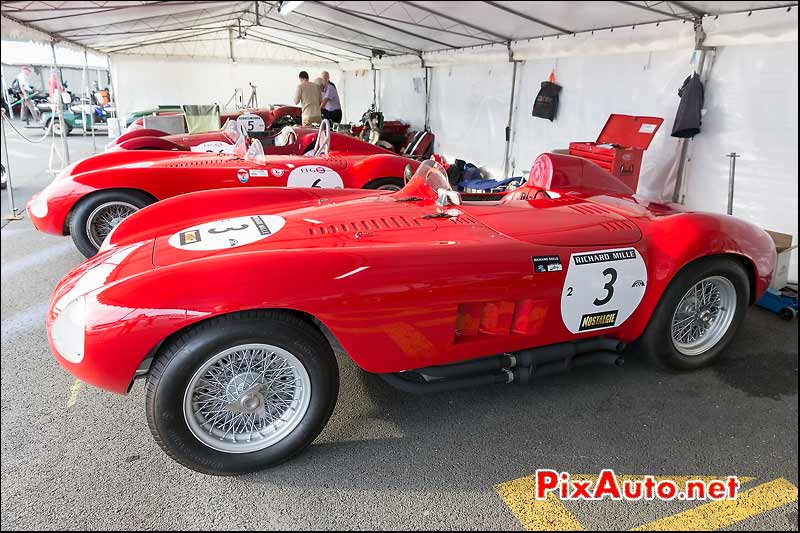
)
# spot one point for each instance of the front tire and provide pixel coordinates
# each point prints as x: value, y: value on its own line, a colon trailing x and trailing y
x: 96, y: 215
x: 386, y: 184
x: 698, y: 314
x: 57, y: 128
x: 241, y: 392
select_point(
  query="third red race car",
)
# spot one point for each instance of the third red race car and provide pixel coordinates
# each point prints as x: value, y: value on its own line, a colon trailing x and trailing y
x: 227, y: 301
x: 89, y: 198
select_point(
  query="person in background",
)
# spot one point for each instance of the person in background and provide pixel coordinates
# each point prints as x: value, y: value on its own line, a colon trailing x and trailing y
x: 308, y: 95
x: 331, y: 106
x: 26, y: 90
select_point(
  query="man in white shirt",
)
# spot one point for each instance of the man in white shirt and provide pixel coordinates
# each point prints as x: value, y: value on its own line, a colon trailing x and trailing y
x: 331, y: 106
x: 26, y: 89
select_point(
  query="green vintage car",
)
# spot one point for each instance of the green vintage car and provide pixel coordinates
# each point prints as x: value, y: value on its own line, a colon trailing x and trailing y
x: 74, y: 117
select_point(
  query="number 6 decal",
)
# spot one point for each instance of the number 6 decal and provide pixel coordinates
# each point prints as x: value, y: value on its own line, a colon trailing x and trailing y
x: 602, y: 289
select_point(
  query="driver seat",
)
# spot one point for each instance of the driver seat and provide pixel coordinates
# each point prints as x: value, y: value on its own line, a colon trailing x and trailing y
x: 538, y: 181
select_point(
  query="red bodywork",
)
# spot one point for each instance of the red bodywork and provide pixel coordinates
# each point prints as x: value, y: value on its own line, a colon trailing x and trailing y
x: 398, y: 289
x: 351, y: 164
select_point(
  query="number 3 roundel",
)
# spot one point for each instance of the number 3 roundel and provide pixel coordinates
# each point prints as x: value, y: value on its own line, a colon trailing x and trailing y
x: 602, y: 289
x: 228, y: 233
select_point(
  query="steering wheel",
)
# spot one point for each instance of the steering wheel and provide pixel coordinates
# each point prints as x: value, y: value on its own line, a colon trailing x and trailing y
x: 323, y: 144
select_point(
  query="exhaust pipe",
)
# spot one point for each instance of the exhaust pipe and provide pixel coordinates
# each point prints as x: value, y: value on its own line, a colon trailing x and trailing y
x: 519, y: 366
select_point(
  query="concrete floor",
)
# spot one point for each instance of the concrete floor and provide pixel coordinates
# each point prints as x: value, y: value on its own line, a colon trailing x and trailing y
x: 76, y: 457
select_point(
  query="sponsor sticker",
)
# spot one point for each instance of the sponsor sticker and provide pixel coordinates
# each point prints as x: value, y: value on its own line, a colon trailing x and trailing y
x: 258, y: 173
x: 189, y: 237
x: 243, y: 175
x: 602, y: 288
x: 227, y: 233
x: 213, y: 147
x: 605, y: 319
x: 547, y: 263
x: 277, y: 172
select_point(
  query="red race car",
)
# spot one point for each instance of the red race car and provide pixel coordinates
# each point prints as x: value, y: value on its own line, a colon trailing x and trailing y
x: 225, y: 300
x: 256, y: 121
x: 89, y: 198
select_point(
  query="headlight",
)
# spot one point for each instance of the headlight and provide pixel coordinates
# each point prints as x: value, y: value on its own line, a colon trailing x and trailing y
x: 39, y: 205
x: 69, y: 330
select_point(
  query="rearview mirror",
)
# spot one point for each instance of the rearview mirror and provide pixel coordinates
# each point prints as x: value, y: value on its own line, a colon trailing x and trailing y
x: 407, y: 174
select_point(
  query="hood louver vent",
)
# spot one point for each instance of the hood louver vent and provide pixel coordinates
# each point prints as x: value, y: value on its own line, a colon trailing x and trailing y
x: 195, y: 163
x: 617, y: 225
x: 590, y: 209
x: 372, y: 224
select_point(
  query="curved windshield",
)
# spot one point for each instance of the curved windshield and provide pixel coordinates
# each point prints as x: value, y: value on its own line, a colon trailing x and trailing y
x: 255, y: 152
x: 429, y: 178
x: 232, y: 130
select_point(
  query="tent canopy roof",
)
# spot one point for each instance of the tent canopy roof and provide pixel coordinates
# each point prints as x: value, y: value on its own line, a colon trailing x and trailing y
x: 330, y: 31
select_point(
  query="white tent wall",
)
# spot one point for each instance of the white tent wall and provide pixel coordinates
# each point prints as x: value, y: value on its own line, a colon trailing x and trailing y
x: 469, y: 111
x: 593, y: 87
x: 143, y: 82
x: 355, y: 93
x: 751, y: 103
x: 400, y: 97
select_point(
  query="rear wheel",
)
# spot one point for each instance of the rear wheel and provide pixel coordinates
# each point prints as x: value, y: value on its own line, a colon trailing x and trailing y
x: 385, y: 184
x: 241, y: 392
x: 698, y: 314
x: 95, y: 216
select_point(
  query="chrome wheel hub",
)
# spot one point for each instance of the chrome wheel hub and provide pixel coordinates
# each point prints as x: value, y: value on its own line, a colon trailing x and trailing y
x: 247, y: 398
x: 703, y: 315
x: 106, y: 217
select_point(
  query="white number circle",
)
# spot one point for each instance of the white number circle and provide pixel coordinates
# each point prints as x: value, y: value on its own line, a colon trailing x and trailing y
x: 315, y: 176
x: 227, y: 233
x: 214, y: 147
x: 251, y: 122
x: 602, y: 289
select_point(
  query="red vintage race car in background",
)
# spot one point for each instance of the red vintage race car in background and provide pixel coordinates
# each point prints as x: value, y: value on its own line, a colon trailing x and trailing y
x: 89, y: 198
x: 225, y: 300
x: 257, y: 122
x: 291, y: 140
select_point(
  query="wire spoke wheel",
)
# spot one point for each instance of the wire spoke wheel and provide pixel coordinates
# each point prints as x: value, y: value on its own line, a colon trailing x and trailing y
x: 703, y: 315
x: 389, y: 187
x: 247, y: 398
x: 105, y: 218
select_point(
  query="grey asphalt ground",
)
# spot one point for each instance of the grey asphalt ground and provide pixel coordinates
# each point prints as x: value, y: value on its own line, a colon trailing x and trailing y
x: 386, y: 460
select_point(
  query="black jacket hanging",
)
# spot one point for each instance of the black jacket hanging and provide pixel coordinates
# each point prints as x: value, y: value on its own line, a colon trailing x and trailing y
x: 689, y: 117
x: 546, y: 104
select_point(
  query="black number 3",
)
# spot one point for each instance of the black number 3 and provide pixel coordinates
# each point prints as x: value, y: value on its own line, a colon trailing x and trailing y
x: 217, y: 230
x: 609, y: 287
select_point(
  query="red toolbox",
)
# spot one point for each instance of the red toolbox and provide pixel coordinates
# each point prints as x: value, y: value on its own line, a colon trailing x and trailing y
x: 620, y: 146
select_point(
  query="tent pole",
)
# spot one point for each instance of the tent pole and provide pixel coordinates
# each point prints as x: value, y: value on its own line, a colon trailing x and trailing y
x: 506, y: 158
x: 91, y: 100
x: 680, y: 181
x: 5, y: 95
x: 425, y: 68
x: 60, y: 106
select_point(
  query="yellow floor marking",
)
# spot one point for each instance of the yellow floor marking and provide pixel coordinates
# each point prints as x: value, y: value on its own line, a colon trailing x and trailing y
x: 536, y: 515
x: 723, y: 513
x: 73, y: 393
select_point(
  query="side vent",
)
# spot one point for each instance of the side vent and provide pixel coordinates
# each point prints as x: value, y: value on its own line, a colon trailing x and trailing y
x: 504, y: 317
